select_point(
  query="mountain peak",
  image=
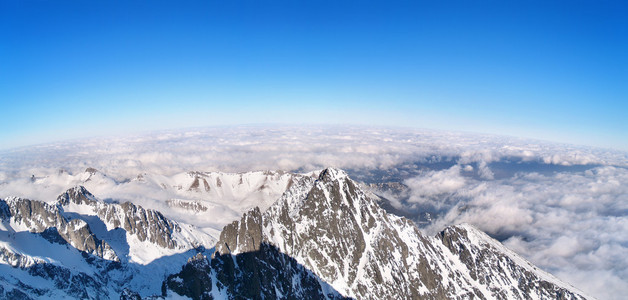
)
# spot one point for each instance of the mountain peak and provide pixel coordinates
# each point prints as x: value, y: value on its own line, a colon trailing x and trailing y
x: 91, y: 170
x: 77, y: 195
x: 332, y: 174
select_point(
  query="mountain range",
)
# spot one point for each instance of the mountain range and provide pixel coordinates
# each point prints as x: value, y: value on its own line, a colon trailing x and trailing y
x: 320, y: 235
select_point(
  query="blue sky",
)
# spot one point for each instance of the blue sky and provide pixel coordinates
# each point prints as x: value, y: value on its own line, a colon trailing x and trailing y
x: 541, y: 69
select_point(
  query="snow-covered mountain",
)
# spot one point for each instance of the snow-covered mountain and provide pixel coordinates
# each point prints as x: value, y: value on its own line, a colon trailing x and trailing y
x: 326, y: 238
x: 321, y: 237
x: 81, y: 247
x: 240, y: 190
x: 208, y: 200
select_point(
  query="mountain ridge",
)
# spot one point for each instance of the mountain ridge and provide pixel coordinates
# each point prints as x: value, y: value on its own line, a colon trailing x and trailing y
x: 83, y: 247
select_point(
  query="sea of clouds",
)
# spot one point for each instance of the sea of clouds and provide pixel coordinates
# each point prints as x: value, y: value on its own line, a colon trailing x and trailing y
x: 563, y: 207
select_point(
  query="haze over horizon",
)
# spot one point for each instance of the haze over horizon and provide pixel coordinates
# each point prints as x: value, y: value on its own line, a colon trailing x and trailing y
x: 551, y: 71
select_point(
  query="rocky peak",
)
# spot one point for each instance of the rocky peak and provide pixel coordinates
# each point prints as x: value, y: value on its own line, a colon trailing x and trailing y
x: 333, y: 228
x: 332, y: 174
x: 91, y: 170
x: 334, y: 193
x: 146, y: 224
x: 77, y: 195
x: 92, y: 173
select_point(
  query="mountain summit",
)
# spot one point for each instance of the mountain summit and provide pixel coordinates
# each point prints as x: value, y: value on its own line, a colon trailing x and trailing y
x: 326, y: 238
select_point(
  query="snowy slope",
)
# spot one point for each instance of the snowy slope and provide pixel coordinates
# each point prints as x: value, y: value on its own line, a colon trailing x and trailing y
x: 506, y: 274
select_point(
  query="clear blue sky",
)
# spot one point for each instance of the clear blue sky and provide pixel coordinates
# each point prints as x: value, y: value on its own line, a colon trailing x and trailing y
x: 555, y: 70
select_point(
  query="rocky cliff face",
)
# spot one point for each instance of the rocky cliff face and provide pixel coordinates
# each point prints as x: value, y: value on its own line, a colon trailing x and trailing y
x: 330, y: 227
x: 40, y: 217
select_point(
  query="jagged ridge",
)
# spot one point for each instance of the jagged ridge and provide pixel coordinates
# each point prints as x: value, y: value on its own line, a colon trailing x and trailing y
x: 81, y: 261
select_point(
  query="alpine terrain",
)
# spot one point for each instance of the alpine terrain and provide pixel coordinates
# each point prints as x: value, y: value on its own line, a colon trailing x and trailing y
x: 80, y: 247
x: 326, y: 238
x: 322, y: 237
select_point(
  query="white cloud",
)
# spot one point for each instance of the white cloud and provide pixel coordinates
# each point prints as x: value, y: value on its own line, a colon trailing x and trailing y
x: 253, y: 147
x: 434, y: 183
x: 484, y: 171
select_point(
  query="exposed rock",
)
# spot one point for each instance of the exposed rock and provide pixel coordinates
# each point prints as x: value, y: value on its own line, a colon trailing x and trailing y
x: 77, y: 195
x: 39, y: 216
x: 5, y: 212
x: 145, y: 224
x: 193, y: 281
x: 91, y: 170
x: 242, y: 236
x: 323, y: 238
x: 194, y: 206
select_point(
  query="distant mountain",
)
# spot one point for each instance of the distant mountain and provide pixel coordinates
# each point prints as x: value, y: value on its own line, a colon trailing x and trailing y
x: 326, y: 238
x: 208, y: 200
x: 240, y: 191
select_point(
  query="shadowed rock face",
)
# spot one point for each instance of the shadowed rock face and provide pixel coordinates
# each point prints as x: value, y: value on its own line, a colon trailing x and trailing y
x: 264, y: 273
x: 332, y: 228
x: 193, y: 281
x: 5, y: 211
x: 78, y: 285
x: 242, y: 236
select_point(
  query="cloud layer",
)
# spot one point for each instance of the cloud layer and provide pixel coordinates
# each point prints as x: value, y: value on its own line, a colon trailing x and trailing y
x: 236, y: 149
